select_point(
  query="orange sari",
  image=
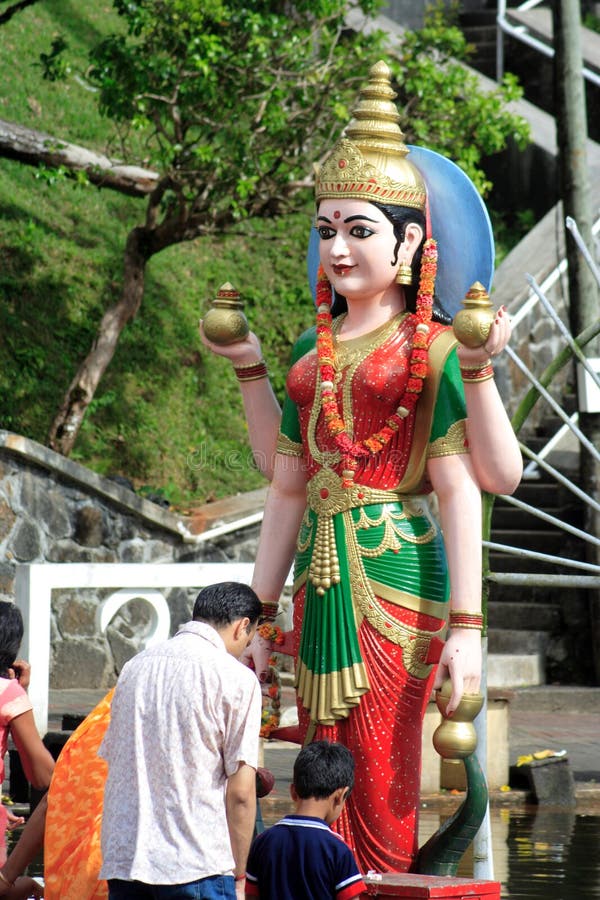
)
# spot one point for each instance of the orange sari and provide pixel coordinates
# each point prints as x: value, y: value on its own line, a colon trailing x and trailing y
x: 72, y: 854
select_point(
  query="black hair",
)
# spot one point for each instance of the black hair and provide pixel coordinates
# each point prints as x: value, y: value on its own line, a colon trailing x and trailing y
x: 223, y: 603
x: 400, y: 217
x: 11, y: 635
x: 321, y: 768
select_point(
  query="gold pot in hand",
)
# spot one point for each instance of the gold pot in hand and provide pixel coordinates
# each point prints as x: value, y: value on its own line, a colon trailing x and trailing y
x: 472, y: 323
x: 225, y: 322
x: 456, y: 737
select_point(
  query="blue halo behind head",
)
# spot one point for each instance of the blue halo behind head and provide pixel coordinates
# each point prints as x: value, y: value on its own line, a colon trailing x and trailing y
x: 459, y: 223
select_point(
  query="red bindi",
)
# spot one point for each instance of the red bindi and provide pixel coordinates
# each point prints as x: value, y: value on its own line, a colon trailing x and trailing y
x: 337, y: 214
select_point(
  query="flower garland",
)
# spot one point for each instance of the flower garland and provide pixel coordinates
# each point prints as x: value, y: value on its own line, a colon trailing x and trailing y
x: 271, y: 710
x: 351, y: 450
x: 270, y: 632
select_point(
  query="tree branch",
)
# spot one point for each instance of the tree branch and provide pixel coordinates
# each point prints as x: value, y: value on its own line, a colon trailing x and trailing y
x: 36, y: 148
x: 7, y: 15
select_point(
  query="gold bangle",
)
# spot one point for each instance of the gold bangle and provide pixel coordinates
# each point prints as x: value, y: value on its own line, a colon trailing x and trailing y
x: 472, y: 366
x: 242, y: 366
x: 3, y: 878
x: 464, y: 618
x: 253, y: 377
x: 484, y: 373
x: 268, y: 612
x: 251, y: 373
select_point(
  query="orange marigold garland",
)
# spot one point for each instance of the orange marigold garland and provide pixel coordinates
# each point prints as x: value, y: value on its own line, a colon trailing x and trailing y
x: 271, y: 710
x: 351, y: 450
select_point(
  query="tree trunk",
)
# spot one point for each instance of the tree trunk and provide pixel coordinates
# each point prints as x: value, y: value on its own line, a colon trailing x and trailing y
x: 66, y: 425
x: 36, y: 147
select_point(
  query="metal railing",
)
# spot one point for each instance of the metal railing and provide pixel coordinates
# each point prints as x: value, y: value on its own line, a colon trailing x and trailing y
x: 520, y: 33
x: 569, y: 426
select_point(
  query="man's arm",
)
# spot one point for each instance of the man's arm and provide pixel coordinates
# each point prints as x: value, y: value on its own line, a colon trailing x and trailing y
x: 240, y: 804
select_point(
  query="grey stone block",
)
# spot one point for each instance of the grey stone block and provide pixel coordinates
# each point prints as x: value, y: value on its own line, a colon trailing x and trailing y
x: 7, y: 519
x: 79, y: 663
x: 551, y: 781
x: 89, y: 526
x: 132, y: 551
x: 52, y: 514
x: 26, y: 544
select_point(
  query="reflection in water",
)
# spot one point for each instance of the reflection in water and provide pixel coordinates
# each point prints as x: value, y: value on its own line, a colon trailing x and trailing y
x: 541, y: 854
x: 554, y: 854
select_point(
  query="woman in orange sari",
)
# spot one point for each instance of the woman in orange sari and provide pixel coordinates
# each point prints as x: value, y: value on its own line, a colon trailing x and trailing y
x: 72, y: 855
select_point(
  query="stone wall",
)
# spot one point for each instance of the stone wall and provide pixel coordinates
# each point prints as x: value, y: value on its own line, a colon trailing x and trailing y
x: 54, y: 510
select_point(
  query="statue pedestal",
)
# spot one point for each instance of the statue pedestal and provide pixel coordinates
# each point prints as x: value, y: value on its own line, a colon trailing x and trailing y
x: 415, y: 887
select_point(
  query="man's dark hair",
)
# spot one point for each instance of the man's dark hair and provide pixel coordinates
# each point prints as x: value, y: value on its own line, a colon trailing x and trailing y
x: 11, y: 635
x: 321, y: 768
x: 223, y: 603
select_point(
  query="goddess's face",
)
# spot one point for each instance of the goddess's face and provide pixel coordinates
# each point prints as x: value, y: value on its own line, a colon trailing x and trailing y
x: 356, y: 248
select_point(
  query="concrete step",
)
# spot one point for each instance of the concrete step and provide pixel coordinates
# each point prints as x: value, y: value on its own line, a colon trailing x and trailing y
x: 510, y: 670
x: 536, y: 595
x: 504, y: 562
x: 558, y: 698
x: 542, y: 540
x: 507, y: 517
x: 517, y: 641
x: 540, y: 492
x: 522, y: 615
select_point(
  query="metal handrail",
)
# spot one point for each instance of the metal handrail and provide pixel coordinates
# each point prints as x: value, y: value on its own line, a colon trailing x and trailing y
x: 535, y: 296
x: 523, y: 553
x: 519, y: 33
x: 531, y: 469
x: 558, y: 476
x: 550, y: 519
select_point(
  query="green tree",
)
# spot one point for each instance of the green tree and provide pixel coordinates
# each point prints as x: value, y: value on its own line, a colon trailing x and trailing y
x: 233, y: 101
x: 230, y: 103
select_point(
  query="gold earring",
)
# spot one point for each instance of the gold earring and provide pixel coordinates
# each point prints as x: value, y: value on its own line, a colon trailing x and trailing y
x: 404, y: 274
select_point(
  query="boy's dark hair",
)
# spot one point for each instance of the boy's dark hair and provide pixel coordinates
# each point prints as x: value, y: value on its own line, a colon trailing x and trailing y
x: 11, y: 635
x: 223, y: 603
x: 321, y: 768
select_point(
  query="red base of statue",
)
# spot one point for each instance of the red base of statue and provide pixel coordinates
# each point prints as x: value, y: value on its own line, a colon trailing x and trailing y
x: 415, y: 887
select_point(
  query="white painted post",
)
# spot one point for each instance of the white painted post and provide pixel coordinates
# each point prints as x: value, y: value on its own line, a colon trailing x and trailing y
x: 32, y: 596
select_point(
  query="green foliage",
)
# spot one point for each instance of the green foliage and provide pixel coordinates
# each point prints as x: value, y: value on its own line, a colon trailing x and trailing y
x: 53, y: 64
x: 509, y: 228
x: 222, y: 118
x: 592, y: 21
x: 444, y: 107
x: 236, y: 99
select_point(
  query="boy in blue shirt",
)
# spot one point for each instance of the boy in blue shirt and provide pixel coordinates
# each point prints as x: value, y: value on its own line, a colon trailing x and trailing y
x: 300, y: 858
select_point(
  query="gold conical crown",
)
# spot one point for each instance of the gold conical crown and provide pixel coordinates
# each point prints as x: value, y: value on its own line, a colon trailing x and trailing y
x: 369, y: 161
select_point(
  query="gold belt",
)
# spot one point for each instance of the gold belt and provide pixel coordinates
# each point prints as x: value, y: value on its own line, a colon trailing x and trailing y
x: 327, y: 497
